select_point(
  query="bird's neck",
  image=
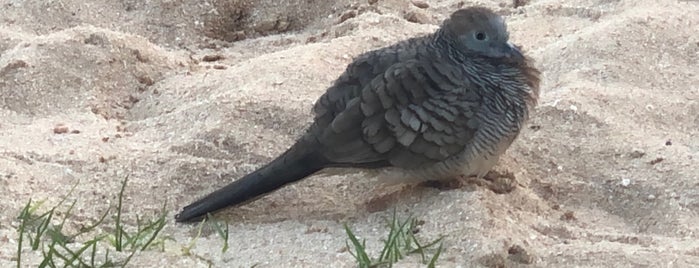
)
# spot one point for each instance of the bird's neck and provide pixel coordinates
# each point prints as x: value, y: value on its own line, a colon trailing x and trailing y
x: 491, y: 74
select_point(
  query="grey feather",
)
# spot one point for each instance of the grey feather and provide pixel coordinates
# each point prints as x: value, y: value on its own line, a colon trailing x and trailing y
x: 434, y: 106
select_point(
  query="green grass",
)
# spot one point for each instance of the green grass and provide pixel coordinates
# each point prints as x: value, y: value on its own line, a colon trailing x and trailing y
x: 145, y: 233
x: 399, y: 242
x: 61, y: 250
x: 222, y: 232
x: 45, y: 232
x: 188, y: 249
x: 219, y: 226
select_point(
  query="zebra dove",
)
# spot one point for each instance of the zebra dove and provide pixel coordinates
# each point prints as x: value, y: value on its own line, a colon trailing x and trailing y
x: 432, y: 107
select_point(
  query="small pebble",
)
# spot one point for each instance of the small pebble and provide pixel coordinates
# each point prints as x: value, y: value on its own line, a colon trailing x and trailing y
x: 347, y: 15
x: 637, y: 153
x: 625, y: 182
x: 60, y: 129
x: 420, y: 3
x: 417, y: 16
x: 210, y: 58
x: 657, y: 160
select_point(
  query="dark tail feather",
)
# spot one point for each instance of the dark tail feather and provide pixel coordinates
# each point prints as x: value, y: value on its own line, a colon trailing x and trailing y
x: 295, y: 164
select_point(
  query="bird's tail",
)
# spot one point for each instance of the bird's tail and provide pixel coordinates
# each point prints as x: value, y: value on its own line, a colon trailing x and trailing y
x: 295, y: 164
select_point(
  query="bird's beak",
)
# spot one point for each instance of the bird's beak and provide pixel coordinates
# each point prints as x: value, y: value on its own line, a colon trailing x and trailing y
x: 513, y: 52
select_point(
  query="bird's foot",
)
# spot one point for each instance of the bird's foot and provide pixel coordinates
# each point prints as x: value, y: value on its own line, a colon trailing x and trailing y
x: 445, y: 185
x: 496, y: 181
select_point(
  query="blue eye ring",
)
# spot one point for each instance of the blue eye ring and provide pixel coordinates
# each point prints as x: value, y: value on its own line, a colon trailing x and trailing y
x: 480, y: 36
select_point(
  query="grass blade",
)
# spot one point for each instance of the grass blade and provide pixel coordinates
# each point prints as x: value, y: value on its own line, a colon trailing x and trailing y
x: 23, y: 218
x: 221, y: 232
x: 118, y: 230
x: 400, y: 242
x: 359, y: 248
x: 433, y: 261
x: 157, y: 226
x: 41, y: 229
x: 187, y: 250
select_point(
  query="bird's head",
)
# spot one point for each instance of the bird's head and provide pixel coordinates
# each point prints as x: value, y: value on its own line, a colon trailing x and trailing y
x: 479, y: 31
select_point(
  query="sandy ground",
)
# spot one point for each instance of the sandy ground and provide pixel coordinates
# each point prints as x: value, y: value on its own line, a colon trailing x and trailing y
x: 607, y: 169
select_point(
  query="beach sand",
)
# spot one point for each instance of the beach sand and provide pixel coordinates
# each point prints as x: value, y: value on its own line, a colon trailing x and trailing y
x: 186, y: 96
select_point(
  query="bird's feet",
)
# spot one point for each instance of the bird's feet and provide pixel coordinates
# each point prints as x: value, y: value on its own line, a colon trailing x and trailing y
x: 498, y: 182
x: 445, y: 185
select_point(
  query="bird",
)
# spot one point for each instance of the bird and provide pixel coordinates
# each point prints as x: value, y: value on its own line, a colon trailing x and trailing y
x: 432, y: 107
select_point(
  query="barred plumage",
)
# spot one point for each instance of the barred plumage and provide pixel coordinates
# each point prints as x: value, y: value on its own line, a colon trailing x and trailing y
x: 431, y: 107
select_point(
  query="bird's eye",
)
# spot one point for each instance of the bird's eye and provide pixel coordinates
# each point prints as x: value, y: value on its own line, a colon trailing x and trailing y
x: 480, y: 36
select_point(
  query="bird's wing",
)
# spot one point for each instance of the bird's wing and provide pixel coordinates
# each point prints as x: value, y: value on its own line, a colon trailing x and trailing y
x: 357, y: 76
x: 415, y: 113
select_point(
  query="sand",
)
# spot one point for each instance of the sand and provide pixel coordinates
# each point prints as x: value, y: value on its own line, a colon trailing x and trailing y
x: 185, y: 96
